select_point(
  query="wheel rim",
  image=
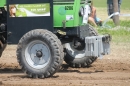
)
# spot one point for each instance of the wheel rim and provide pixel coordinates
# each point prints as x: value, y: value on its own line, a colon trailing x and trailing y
x: 74, y: 52
x: 37, y: 54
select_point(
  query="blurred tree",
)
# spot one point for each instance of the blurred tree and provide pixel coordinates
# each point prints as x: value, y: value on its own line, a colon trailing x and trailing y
x: 115, y: 9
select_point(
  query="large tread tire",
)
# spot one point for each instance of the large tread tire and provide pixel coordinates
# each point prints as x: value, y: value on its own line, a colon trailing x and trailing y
x: 83, y: 61
x: 3, y: 45
x: 55, y: 48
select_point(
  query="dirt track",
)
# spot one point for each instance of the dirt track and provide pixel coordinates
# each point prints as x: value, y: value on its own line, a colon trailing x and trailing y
x: 112, y: 70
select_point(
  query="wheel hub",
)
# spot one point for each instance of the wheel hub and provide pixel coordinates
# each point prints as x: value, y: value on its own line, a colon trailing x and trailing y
x: 39, y: 54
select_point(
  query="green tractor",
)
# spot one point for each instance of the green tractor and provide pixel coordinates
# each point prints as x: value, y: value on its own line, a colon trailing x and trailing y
x: 68, y: 21
x: 49, y: 32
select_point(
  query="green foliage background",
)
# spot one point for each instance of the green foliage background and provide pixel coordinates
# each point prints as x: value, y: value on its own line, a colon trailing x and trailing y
x: 103, y: 4
x: 120, y: 34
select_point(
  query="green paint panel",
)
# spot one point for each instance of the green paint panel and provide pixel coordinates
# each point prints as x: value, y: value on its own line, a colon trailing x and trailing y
x: 67, y: 11
x: 63, y: 11
x: 2, y: 3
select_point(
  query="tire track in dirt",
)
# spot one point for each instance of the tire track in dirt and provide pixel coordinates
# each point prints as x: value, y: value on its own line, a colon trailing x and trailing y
x: 102, y: 72
x: 112, y: 70
x: 68, y: 83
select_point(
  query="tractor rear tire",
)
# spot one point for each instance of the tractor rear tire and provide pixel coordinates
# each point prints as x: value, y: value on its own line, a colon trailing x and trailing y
x: 40, y: 53
x: 76, y: 58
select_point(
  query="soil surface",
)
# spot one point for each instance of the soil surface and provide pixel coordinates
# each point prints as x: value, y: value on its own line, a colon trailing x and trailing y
x: 112, y: 70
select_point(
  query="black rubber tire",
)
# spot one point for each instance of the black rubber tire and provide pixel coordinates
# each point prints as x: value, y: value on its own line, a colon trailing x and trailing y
x: 83, y: 61
x: 2, y: 49
x: 55, y: 47
x: 3, y: 45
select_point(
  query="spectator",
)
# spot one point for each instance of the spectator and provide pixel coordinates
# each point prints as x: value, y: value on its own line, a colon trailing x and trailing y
x: 110, y: 6
x: 93, y: 19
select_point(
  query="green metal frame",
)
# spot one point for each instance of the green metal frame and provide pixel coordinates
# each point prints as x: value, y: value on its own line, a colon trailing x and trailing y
x: 2, y: 3
x: 60, y: 13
